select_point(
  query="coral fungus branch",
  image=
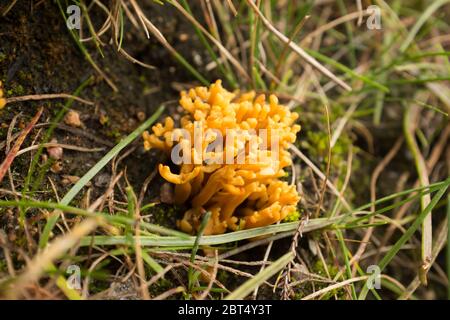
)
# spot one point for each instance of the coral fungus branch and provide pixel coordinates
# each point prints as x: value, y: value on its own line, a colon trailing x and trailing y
x: 231, y: 151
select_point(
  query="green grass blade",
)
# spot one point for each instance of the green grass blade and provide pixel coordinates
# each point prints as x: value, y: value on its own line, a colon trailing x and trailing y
x: 151, y: 262
x: 418, y: 81
x: 407, y: 235
x: 85, y: 52
x: 227, y: 73
x: 121, y: 22
x: 114, y: 219
x: 190, y: 68
x: 429, y: 188
x: 93, y: 171
x: 448, y: 246
x: 348, y: 268
x: 195, y: 248
x: 313, y: 224
x: 347, y: 70
x: 420, y: 22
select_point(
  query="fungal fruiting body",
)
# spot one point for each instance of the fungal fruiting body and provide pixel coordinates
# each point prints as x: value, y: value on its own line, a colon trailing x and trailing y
x: 2, y: 99
x: 230, y: 151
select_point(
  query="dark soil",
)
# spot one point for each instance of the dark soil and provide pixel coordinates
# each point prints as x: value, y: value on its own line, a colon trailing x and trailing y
x: 38, y: 56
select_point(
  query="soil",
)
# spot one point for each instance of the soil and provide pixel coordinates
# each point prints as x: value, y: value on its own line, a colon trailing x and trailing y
x: 38, y: 56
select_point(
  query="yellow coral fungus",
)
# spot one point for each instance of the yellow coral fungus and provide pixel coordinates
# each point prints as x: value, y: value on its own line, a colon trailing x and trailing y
x: 230, y: 151
x: 2, y: 99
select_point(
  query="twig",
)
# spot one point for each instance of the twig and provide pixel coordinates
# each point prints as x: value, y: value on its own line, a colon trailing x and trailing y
x: 49, y: 96
x: 168, y: 293
x: 61, y: 145
x: 212, y: 277
x: 13, y: 152
x: 334, y: 286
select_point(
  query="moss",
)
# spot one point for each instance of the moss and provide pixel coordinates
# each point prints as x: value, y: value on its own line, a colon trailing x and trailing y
x: 229, y: 280
x: 294, y: 216
x: 317, y: 144
x: 319, y: 269
x: 160, y: 286
x: 3, y: 267
x: 15, y: 90
x: 114, y: 133
x: 97, y: 286
x: 166, y: 215
x: 24, y: 76
x: 223, y: 276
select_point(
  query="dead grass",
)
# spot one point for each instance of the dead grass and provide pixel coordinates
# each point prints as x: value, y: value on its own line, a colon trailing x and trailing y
x: 371, y: 164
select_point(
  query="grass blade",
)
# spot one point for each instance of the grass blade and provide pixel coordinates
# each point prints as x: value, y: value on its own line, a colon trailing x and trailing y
x: 407, y: 235
x: 448, y: 246
x: 347, y: 70
x: 313, y: 224
x: 93, y: 171
x: 249, y: 285
x: 115, y: 219
x: 195, y: 248
x: 420, y: 22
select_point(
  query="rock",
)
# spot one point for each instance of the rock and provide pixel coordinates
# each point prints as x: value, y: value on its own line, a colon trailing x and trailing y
x: 55, y: 153
x: 72, y: 118
x: 102, y: 180
x: 141, y: 116
x: 68, y: 179
x: 166, y: 193
x: 57, y: 167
